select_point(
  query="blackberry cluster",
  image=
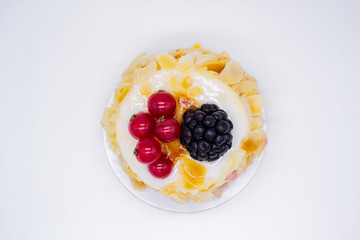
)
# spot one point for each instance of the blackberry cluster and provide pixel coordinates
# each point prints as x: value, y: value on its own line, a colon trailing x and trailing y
x: 205, y: 132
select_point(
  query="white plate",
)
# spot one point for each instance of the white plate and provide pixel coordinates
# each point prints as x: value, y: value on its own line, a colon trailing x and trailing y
x: 157, y: 200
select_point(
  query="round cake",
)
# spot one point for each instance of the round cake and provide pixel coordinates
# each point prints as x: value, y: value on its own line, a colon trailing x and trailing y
x: 185, y: 122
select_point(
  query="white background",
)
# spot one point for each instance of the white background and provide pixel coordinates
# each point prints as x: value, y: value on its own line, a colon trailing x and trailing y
x: 60, y: 61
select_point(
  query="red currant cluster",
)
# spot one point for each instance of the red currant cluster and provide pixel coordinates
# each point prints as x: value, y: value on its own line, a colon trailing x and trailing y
x: 150, y: 128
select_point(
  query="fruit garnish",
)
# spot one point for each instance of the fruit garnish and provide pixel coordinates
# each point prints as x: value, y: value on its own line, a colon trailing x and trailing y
x: 205, y: 132
x: 216, y: 66
x: 203, y: 59
x: 177, y: 53
x: 176, y: 86
x: 144, y: 73
x: 237, y: 157
x: 195, y: 91
x: 232, y: 73
x: 145, y: 88
x: 166, y: 61
x: 257, y: 123
x: 141, y: 125
x: 161, y: 168
x: 187, y: 82
x: 255, y: 142
x: 174, y: 150
x: 256, y: 103
x: 185, y: 63
x: 193, y: 172
x: 184, y: 104
x: 162, y: 104
x: 244, y: 86
x: 147, y: 150
x: 167, y: 130
x: 194, y: 169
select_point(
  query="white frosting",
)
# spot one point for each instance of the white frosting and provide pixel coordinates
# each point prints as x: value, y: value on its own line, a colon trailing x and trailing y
x: 214, y: 91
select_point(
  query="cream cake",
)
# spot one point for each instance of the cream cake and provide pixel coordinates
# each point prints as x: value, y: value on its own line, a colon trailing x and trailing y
x: 185, y: 122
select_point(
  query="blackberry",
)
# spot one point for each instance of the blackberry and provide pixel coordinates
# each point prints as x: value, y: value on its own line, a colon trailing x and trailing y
x: 188, y: 148
x: 184, y: 142
x: 219, y: 139
x: 193, y: 146
x: 230, y: 124
x: 192, y: 124
x: 228, y: 138
x: 203, y: 146
x: 216, y: 148
x: 207, y: 108
x: 210, y: 134
x: 194, y: 155
x: 213, y: 156
x: 218, y: 115
x: 222, y: 126
x: 186, y: 115
x: 209, y: 121
x: 224, y: 149
x: 214, y: 107
x: 198, y: 131
x: 188, y: 118
x: 185, y: 132
x: 199, y: 115
x: 202, y: 156
x: 223, y: 113
x: 206, y: 132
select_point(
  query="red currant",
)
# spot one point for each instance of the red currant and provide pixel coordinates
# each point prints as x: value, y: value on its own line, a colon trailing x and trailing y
x: 162, y: 104
x: 167, y: 130
x: 161, y: 168
x: 141, y: 125
x: 147, y: 150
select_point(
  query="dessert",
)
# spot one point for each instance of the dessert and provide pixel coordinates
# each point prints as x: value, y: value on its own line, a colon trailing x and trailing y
x: 185, y: 123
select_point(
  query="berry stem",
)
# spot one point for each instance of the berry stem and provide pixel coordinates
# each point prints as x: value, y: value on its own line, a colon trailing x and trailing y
x: 133, y: 117
x: 161, y: 119
x: 136, y: 152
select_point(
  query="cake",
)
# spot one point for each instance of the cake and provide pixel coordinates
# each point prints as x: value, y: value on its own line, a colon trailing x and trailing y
x: 185, y: 123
